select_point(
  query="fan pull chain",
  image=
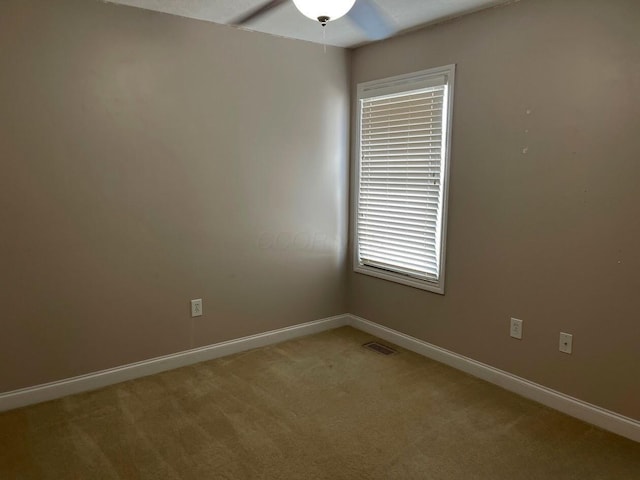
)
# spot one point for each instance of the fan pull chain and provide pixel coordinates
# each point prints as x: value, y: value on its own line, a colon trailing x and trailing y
x: 324, y: 38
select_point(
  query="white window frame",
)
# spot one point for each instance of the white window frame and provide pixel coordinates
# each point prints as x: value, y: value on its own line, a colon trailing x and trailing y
x: 401, y: 84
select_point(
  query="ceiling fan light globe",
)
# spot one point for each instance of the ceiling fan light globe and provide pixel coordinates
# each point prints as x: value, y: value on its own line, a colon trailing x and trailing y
x: 315, y: 9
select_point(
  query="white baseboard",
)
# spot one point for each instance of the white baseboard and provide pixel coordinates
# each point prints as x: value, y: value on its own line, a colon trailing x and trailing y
x: 606, y: 419
x: 92, y: 381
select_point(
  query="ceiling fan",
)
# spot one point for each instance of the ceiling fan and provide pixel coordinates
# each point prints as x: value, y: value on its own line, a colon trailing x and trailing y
x: 364, y: 13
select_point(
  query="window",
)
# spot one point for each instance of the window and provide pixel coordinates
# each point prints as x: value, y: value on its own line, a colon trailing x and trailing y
x: 404, y: 126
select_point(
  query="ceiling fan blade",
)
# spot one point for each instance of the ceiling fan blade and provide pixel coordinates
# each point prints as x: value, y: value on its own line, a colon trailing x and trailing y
x: 372, y: 20
x: 258, y: 12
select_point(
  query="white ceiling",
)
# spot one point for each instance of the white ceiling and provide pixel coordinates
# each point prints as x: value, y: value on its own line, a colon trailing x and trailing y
x: 286, y: 21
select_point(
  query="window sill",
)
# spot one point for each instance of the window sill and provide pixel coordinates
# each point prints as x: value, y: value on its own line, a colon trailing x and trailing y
x: 402, y: 279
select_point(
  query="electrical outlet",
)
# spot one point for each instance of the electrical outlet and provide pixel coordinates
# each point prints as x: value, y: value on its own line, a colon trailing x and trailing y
x: 196, y: 307
x: 516, y: 328
x: 566, y: 342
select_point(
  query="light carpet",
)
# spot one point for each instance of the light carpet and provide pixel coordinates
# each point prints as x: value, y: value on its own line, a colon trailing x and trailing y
x: 318, y: 407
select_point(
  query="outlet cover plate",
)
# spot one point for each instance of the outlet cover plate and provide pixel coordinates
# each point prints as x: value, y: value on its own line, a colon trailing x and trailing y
x: 566, y: 342
x: 516, y: 328
x: 196, y: 307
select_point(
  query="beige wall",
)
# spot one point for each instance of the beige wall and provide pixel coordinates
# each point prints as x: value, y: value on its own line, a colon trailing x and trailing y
x: 553, y: 236
x: 147, y: 160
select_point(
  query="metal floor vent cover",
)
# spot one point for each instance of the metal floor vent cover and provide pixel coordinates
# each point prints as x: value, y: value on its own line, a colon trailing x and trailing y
x: 379, y: 348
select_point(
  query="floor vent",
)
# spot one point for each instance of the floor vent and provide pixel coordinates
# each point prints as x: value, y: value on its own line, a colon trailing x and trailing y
x: 378, y: 347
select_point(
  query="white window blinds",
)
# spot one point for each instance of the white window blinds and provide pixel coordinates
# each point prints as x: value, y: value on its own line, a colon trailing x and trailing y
x: 401, y: 177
